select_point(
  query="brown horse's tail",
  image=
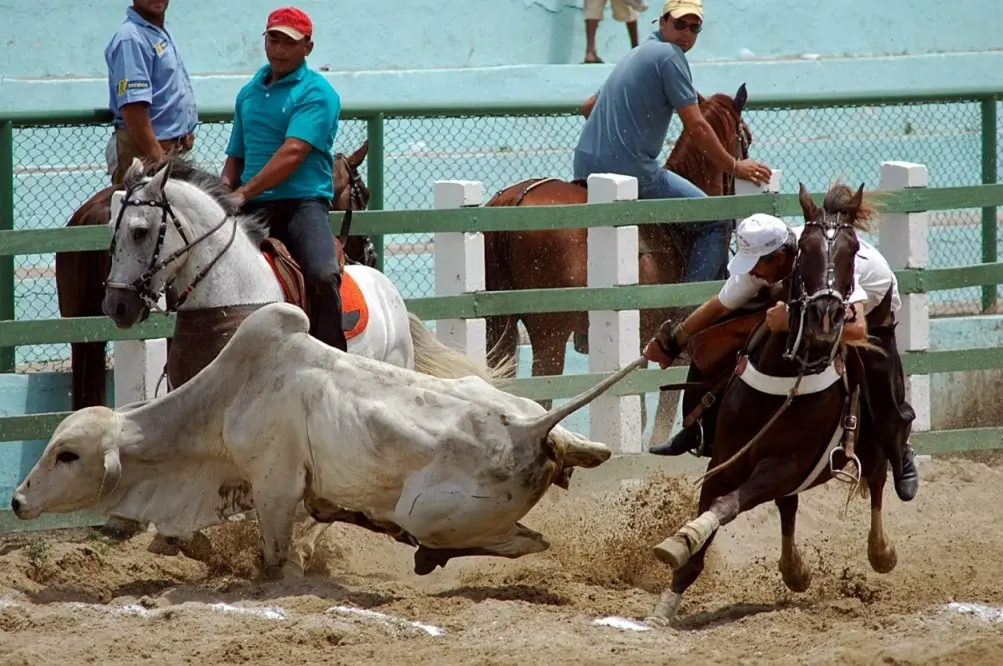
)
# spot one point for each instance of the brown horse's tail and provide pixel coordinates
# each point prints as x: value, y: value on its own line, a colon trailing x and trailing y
x: 502, y: 330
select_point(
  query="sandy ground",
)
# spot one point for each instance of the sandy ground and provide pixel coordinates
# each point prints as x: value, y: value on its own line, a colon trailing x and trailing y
x: 76, y: 598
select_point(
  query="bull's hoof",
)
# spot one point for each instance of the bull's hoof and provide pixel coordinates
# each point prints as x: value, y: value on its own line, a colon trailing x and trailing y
x: 581, y: 342
x: 166, y: 546
x: 120, y: 529
x: 673, y: 551
x: 198, y: 547
x: 426, y: 560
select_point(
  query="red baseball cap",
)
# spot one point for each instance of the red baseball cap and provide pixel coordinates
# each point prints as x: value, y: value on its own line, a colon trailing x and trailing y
x: 290, y: 21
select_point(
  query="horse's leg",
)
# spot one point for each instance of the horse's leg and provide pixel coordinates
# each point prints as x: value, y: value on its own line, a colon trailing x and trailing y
x: 761, y: 486
x: 796, y: 574
x: 548, y: 335
x: 880, y: 549
x: 664, y: 613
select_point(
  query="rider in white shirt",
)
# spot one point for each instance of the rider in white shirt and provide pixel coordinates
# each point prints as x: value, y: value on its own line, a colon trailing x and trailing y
x: 766, y: 251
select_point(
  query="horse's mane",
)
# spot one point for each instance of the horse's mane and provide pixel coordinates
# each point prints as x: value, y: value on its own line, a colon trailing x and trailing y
x: 719, y: 111
x: 837, y: 200
x: 187, y: 170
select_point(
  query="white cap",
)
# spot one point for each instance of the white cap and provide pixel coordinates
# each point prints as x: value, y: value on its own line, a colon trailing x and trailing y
x: 757, y: 236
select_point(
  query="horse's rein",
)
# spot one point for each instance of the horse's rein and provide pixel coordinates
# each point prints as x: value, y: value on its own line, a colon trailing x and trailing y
x: 141, y: 285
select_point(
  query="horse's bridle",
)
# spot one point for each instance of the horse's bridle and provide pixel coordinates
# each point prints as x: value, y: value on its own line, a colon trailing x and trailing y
x: 356, y: 199
x: 141, y: 285
x: 799, y: 299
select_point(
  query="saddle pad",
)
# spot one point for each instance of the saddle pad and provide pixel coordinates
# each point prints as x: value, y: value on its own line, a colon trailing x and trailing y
x: 355, y: 311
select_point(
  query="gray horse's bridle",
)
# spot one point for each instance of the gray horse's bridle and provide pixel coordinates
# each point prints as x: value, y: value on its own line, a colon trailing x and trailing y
x: 141, y: 285
x: 799, y: 300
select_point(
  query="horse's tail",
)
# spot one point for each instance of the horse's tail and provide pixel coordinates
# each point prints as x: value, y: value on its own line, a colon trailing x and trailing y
x: 502, y: 330
x: 432, y: 357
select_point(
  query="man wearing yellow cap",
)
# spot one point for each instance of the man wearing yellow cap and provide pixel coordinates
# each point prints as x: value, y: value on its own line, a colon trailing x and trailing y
x: 628, y: 120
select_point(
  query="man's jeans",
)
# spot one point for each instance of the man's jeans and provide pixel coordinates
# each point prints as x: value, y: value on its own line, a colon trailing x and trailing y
x: 708, y: 259
x: 302, y: 226
x: 709, y: 255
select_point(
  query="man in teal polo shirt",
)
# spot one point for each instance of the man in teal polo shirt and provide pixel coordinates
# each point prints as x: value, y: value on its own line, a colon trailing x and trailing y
x: 280, y: 161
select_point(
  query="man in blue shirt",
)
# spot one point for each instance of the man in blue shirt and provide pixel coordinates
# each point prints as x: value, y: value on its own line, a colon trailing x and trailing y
x: 280, y: 161
x: 628, y: 119
x: 149, y: 92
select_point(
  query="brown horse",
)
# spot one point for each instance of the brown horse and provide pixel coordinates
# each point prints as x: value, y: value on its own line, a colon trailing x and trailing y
x: 80, y: 276
x: 788, y: 417
x: 558, y: 258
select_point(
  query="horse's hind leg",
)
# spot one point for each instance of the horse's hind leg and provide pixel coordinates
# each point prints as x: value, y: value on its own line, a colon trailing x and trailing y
x: 548, y: 335
x: 796, y: 574
x: 880, y: 549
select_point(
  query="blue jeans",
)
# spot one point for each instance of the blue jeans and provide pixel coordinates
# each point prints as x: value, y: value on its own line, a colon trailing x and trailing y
x: 709, y: 254
x: 302, y: 226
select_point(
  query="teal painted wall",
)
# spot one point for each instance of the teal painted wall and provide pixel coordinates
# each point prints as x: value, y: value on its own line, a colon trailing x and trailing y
x: 385, y: 51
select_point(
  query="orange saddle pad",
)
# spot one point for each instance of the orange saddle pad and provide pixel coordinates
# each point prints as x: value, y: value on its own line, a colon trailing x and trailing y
x: 354, y: 309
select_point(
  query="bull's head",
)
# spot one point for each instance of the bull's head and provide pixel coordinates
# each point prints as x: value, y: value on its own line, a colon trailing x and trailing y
x: 79, y: 467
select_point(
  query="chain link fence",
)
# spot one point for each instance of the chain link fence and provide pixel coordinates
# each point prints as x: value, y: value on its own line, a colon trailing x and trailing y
x: 57, y: 168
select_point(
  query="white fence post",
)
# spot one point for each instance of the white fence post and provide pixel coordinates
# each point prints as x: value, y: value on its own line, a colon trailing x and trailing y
x: 903, y: 240
x: 614, y: 337
x: 459, y: 267
x: 744, y: 187
x: 139, y: 365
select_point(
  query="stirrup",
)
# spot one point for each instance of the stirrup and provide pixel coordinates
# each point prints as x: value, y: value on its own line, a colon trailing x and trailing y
x: 698, y: 451
x: 841, y: 474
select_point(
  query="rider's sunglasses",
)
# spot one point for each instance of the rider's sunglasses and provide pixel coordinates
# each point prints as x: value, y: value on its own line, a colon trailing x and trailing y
x: 680, y: 24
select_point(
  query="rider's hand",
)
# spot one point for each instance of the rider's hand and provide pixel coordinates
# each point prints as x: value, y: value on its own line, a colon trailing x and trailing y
x: 664, y: 348
x: 237, y: 198
x: 777, y: 317
x: 757, y: 172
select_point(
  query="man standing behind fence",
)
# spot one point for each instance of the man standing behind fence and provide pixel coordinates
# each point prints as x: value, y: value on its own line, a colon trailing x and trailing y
x: 628, y: 119
x: 150, y: 94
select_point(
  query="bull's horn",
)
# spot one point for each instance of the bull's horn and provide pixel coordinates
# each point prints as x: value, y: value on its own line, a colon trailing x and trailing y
x: 542, y: 425
x: 112, y: 471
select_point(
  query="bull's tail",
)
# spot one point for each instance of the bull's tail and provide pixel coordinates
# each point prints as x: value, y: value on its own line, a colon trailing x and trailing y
x: 432, y: 357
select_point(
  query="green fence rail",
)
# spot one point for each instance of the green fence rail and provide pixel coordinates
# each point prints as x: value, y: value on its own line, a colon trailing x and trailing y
x: 64, y: 330
x: 56, y: 161
x: 40, y: 426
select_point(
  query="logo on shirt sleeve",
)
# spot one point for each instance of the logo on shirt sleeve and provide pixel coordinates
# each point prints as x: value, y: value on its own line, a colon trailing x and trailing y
x: 126, y: 84
x: 160, y: 47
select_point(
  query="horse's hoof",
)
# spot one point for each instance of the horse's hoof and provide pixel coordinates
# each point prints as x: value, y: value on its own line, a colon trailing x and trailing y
x: 658, y: 621
x: 797, y: 581
x: 674, y: 552
x: 883, y: 562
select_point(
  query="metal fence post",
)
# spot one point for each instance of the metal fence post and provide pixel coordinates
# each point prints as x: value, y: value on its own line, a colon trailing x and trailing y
x: 989, y: 174
x: 7, y: 359
x: 377, y: 166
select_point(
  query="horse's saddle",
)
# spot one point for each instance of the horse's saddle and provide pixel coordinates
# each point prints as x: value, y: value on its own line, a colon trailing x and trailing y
x: 355, y: 311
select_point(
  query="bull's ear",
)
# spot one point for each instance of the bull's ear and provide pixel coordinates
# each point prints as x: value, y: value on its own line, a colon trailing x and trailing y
x: 112, y: 472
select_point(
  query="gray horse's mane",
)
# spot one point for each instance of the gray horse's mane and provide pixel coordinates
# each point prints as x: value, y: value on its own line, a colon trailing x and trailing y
x: 187, y: 170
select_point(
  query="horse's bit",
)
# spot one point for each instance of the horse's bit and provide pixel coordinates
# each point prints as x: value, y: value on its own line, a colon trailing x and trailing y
x: 141, y: 285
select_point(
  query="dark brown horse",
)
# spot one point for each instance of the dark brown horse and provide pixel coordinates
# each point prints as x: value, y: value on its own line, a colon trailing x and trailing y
x: 80, y: 276
x: 788, y: 418
x: 540, y: 259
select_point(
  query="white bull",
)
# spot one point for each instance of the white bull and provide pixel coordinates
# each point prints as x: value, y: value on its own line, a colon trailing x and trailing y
x: 449, y: 465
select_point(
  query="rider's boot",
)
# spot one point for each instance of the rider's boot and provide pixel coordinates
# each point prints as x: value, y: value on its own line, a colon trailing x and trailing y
x: 906, y: 480
x: 687, y: 439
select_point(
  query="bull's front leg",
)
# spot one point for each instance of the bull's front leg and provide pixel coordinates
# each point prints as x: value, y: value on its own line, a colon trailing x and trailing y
x: 276, y: 516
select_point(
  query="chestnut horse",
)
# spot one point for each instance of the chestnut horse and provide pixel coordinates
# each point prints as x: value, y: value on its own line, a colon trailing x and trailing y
x: 788, y: 417
x: 80, y: 276
x: 539, y: 259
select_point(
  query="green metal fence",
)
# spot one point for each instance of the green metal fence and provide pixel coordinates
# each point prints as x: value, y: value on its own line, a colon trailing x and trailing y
x: 56, y: 161
x: 389, y: 223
